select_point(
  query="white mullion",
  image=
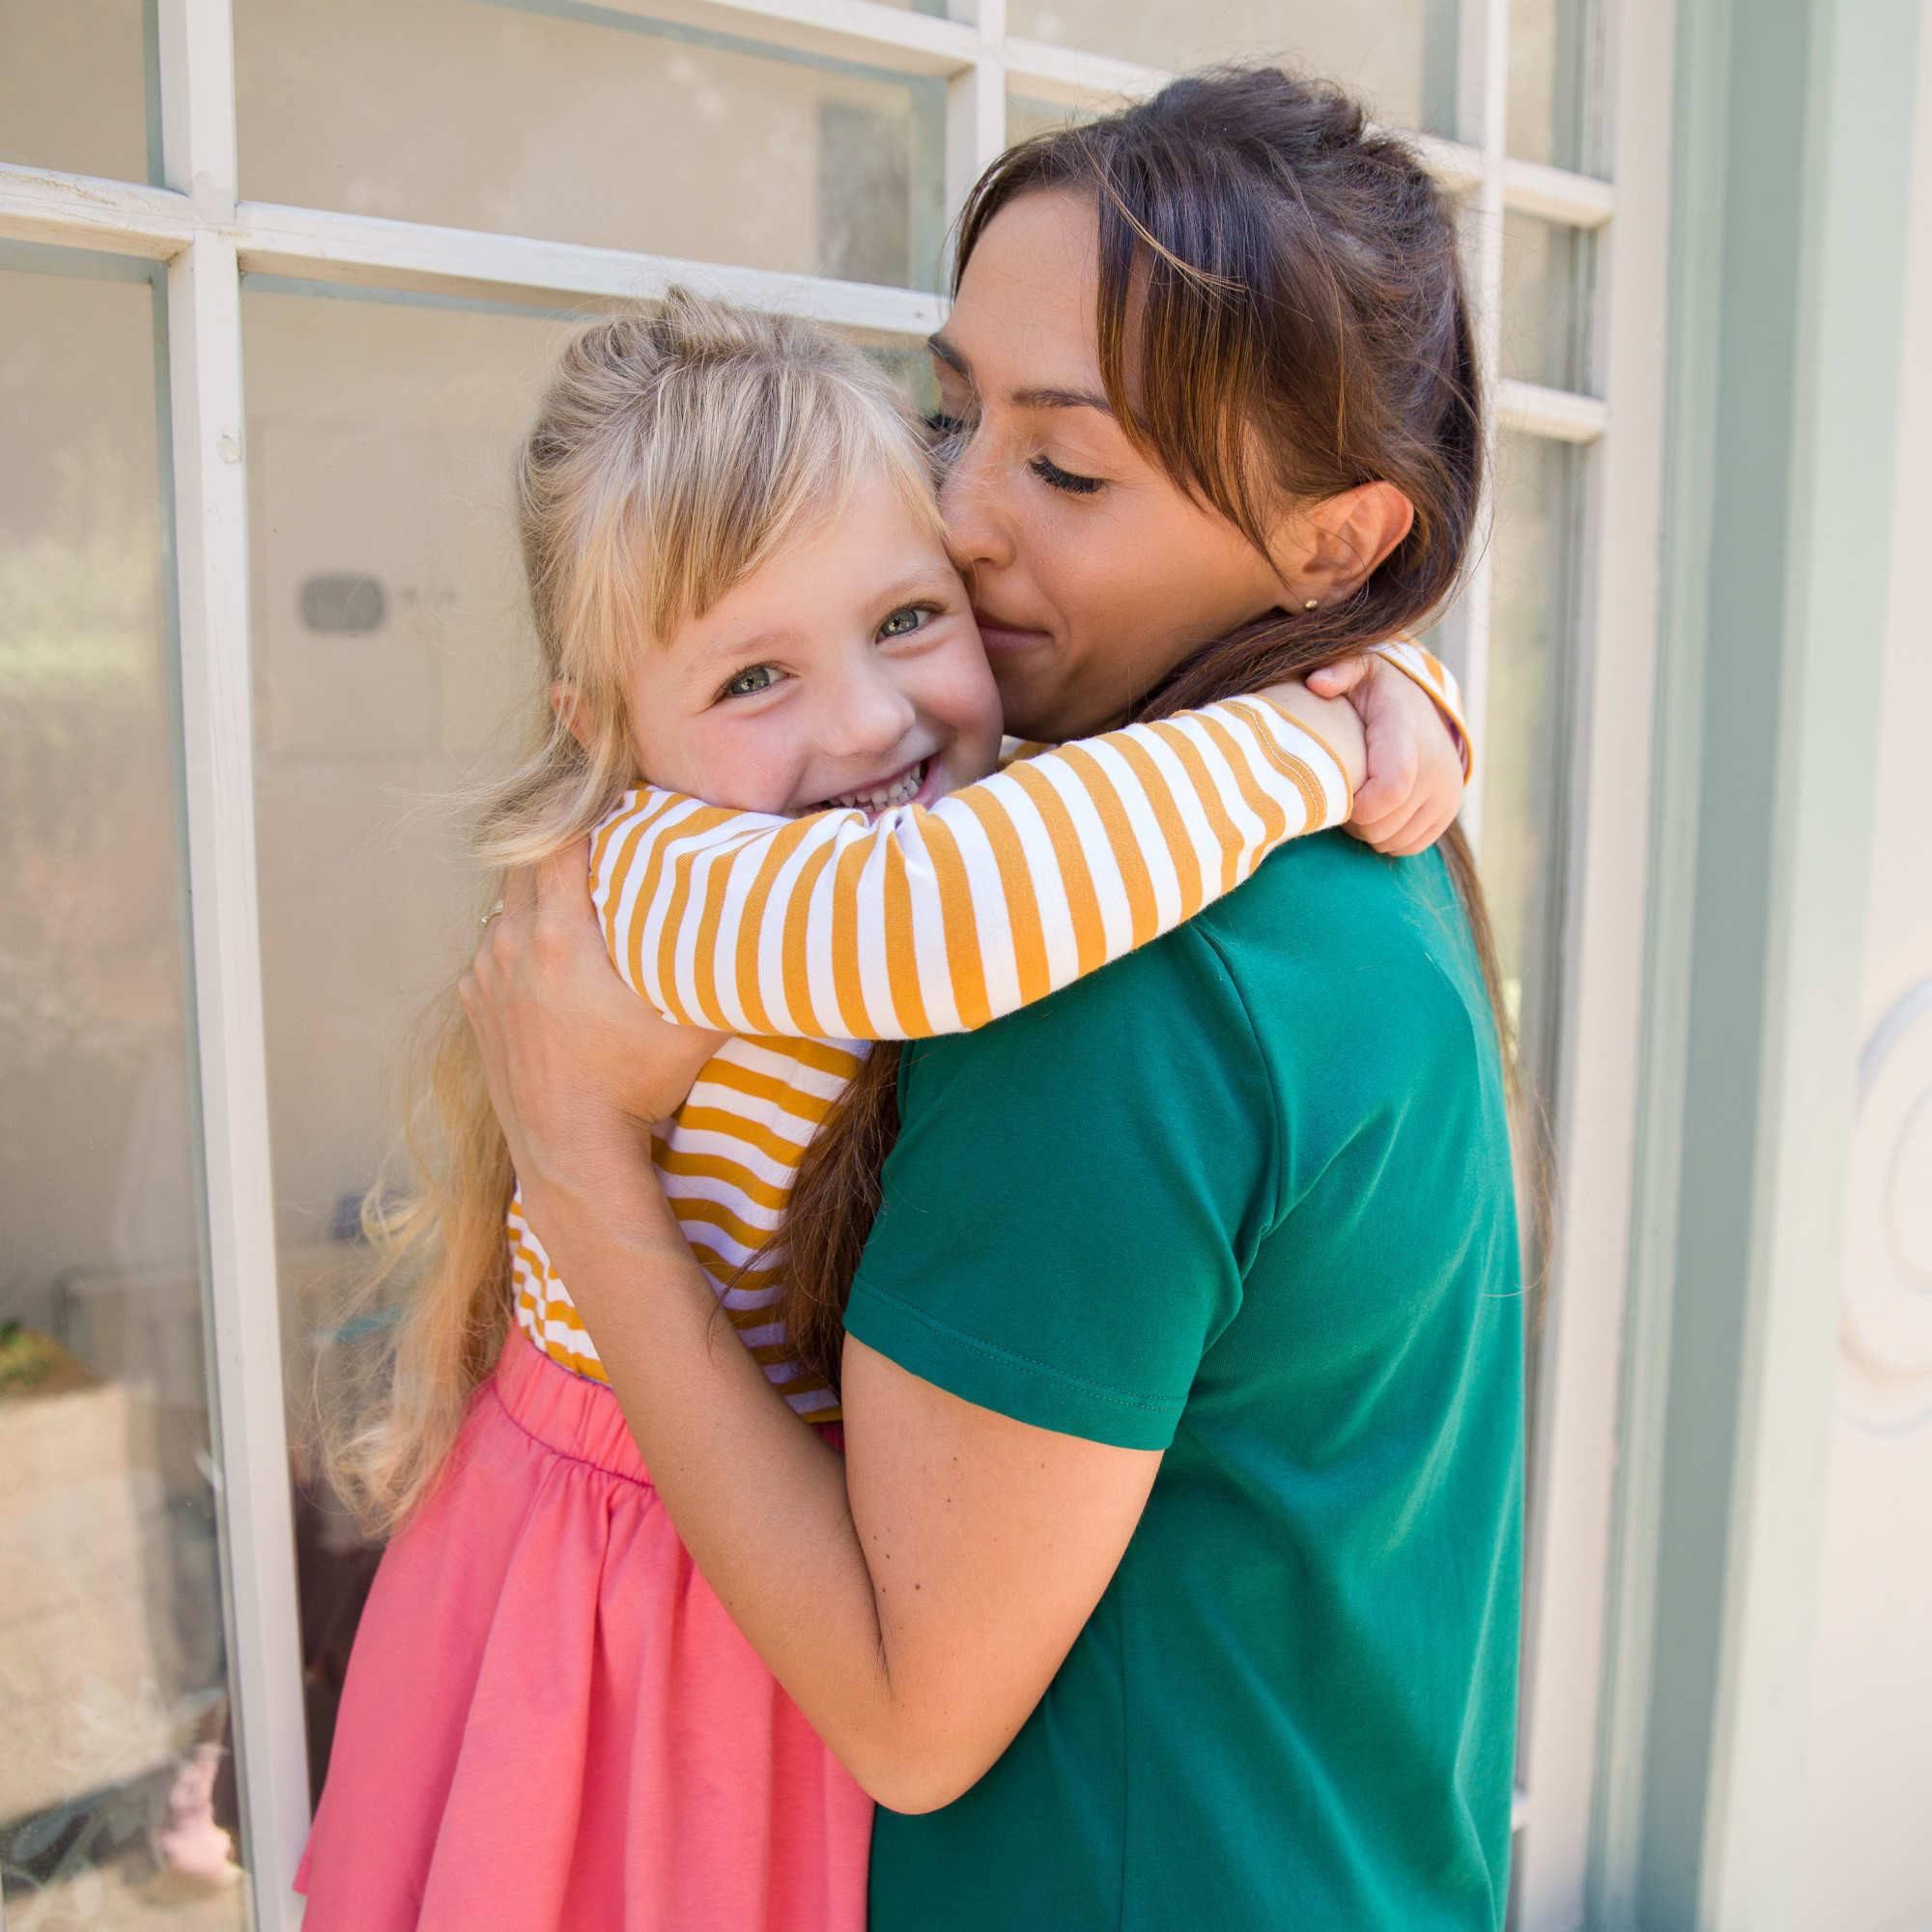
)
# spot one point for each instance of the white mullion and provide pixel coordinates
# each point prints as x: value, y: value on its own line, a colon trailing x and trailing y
x: 1072, y: 77
x: 62, y: 211
x: 244, y: 1325
x: 976, y: 109
x: 895, y: 38
x: 365, y: 251
x: 1531, y: 410
x: 56, y: 210
x: 1556, y: 194
x: 1455, y: 164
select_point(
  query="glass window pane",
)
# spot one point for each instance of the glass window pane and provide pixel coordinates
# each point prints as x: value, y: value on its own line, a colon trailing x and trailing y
x: 1398, y: 55
x: 1025, y: 118
x: 113, y: 1674
x: 390, y: 647
x: 393, y: 665
x: 1546, y: 82
x: 1525, y: 733
x: 1547, y: 270
x: 73, y: 86
x: 619, y: 132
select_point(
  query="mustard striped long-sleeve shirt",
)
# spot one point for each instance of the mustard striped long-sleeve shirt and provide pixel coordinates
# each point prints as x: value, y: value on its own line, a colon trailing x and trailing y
x: 808, y: 938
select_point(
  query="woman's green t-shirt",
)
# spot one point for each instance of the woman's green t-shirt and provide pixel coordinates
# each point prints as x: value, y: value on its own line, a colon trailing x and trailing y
x: 1244, y: 1197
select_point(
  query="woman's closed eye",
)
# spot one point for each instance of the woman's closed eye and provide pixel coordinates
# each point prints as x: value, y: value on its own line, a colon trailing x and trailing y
x: 1066, y: 481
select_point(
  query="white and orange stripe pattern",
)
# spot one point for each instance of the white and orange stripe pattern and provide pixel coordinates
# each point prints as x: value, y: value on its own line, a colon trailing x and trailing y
x: 728, y: 1164
x: 810, y: 937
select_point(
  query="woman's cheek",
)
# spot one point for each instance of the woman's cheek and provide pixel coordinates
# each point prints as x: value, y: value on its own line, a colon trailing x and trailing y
x: 959, y: 693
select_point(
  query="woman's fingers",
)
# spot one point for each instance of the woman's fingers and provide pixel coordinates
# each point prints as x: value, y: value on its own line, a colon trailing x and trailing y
x: 562, y: 881
x: 520, y: 894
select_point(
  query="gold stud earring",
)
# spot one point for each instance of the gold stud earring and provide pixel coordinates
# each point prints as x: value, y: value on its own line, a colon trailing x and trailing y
x: 1310, y: 604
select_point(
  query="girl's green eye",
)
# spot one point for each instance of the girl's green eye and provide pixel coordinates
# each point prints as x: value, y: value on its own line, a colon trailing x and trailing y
x: 749, y: 683
x: 904, y: 621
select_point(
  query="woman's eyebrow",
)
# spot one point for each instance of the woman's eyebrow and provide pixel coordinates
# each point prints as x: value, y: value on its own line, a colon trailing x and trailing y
x: 950, y: 355
x: 1036, y: 398
x: 1061, y: 399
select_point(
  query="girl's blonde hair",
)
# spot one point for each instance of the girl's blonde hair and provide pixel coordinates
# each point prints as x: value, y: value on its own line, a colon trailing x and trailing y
x: 676, y: 450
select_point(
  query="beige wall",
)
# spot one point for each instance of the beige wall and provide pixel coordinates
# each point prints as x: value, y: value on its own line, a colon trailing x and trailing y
x: 1870, y: 1734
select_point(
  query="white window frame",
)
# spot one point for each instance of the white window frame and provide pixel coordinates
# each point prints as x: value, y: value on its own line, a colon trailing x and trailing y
x: 207, y: 237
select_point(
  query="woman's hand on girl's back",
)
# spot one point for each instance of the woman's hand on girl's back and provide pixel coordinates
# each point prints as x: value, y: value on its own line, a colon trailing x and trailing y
x: 1414, y: 786
x: 577, y: 1062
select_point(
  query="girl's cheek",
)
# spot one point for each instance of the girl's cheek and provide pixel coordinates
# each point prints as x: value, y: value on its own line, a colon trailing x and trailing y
x: 745, y: 763
x: 972, y: 706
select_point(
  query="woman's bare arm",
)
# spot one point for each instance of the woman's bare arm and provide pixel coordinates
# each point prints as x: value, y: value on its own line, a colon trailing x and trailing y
x: 916, y: 1596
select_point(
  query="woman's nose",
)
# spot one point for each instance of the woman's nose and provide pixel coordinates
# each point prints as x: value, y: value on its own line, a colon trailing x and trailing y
x: 979, y: 536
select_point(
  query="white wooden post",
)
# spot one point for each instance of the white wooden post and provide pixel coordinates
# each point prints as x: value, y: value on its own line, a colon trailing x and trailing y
x: 243, y: 1315
x: 975, y: 108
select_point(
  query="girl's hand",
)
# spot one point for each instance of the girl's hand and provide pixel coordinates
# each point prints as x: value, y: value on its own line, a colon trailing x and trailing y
x: 1333, y: 720
x: 578, y: 1064
x: 1414, y: 786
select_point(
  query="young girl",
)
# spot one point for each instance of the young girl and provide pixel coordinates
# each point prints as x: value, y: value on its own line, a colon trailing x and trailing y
x: 741, y: 590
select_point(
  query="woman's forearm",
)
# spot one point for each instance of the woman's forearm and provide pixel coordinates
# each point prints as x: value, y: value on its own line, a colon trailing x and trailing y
x: 758, y: 1497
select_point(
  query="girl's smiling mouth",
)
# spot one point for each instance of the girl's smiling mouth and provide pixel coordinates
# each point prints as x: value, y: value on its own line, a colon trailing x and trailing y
x: 904, y: 786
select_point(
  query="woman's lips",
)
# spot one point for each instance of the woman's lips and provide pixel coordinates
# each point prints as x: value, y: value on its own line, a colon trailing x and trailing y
x: 999, y: 636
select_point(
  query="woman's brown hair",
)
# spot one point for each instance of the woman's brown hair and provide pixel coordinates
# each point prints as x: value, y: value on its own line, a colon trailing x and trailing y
x: 1284, y: 281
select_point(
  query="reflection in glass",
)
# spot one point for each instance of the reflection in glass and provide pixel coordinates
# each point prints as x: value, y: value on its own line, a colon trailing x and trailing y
x: 1545, y: 294
x: 1526, y: 831
x: 1547, y: 74
x: 113, y: 1691
x: 1025, y: 118
x: 1525, y: 734
x: 1399, y: 56
x: 391, y: 648
x: 73, y: 86
x: 613, y: 129
x: 393, y: 663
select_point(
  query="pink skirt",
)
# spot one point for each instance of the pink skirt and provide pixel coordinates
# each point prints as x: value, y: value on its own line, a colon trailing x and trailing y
x: 550, y: 1725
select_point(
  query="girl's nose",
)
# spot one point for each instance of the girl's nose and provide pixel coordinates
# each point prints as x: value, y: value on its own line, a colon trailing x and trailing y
x: 867, y: 718
x: 978, y: 534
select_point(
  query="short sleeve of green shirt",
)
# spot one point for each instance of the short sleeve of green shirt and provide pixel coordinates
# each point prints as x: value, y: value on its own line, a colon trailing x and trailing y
x: 1074, y: 1199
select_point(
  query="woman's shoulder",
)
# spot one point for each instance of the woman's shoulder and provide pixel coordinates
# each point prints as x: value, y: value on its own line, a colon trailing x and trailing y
x: 1331, y: 946
x: 1331, y: 967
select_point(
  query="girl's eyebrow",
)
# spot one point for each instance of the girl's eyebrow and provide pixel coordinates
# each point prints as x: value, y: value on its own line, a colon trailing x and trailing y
x: 1047, y: 398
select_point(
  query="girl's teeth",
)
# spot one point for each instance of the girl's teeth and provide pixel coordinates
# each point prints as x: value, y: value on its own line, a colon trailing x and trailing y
x: 900, y: 793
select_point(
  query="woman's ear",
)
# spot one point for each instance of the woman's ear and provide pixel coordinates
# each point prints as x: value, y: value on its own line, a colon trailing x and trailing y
x: 563, y: 701
x: 1343, y: 538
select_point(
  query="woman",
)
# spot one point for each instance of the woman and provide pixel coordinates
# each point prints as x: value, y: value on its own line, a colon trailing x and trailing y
x: 1172, y: 1564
